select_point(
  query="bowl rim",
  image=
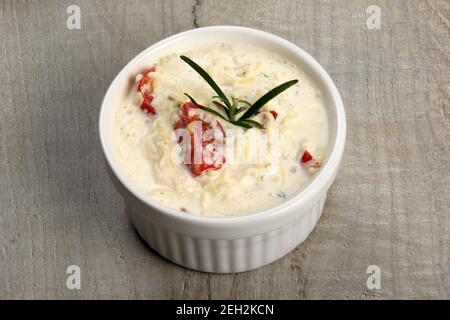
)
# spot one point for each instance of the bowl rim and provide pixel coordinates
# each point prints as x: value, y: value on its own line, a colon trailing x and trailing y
x: 322, y: 179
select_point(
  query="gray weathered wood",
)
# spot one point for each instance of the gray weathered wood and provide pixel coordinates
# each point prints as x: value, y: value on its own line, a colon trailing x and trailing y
x: 389, y: 205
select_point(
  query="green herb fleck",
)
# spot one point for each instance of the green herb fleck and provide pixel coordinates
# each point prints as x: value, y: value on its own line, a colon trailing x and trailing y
x: 236, y: 106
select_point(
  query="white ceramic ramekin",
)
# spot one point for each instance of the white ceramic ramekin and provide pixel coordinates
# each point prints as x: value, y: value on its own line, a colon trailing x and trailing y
x: 231, y: 244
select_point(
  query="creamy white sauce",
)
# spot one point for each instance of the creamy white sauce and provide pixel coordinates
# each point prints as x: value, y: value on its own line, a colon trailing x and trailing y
x: 145, y: 143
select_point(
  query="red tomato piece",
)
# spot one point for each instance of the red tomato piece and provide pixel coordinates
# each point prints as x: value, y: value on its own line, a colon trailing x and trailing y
x: 185, y: 119
x: 144, y: 86
x: 146, y: 105
x: 306, y: 157
x: 198, y: 169
x: 275, y: 114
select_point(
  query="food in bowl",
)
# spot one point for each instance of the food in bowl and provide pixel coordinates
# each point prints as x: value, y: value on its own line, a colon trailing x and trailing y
x: 236, y: 241
x: 256, y: 157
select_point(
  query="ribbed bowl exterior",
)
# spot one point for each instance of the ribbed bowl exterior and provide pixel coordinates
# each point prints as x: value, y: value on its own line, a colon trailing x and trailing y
x: 226, y: 255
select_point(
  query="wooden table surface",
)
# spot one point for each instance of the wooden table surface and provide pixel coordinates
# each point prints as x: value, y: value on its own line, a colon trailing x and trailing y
x: 389, y: 205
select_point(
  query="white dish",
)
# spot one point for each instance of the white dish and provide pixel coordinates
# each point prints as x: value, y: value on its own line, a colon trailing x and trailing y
x: 226, y: 244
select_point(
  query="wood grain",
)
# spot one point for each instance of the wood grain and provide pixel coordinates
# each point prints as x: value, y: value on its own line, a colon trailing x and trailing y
x: 389, y: 205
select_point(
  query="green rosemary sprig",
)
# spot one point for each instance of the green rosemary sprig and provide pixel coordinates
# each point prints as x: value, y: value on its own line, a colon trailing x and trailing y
x: 235, y: 106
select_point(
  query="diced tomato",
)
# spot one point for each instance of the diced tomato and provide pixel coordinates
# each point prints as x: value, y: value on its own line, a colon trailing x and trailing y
x: 198, y: 169
x: 146, y: 105
x: 144, y: 86
x: 275, y: 114
x: 306, y: 157
x: 185, y: 119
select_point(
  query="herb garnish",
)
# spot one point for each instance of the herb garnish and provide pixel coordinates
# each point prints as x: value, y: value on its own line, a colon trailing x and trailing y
x: 236, y: 106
